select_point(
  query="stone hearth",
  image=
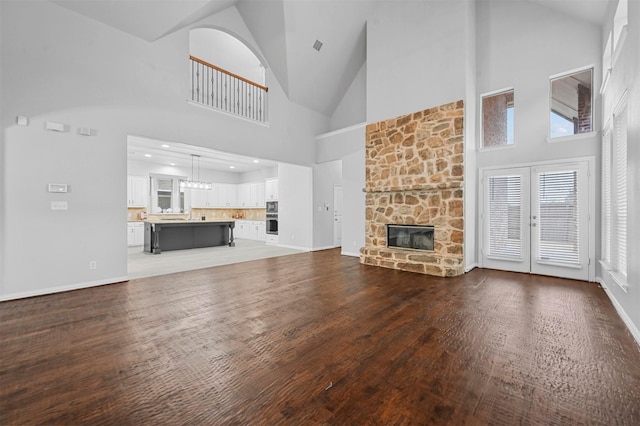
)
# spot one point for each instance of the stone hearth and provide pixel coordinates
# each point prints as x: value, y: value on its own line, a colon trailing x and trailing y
x: 415, y: 176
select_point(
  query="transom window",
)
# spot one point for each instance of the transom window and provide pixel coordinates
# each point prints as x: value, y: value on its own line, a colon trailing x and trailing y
x: 497, y: 119
x: 571, y: 111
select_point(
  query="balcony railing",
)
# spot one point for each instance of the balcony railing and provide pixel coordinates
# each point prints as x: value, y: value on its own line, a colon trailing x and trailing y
x: 218, y: 88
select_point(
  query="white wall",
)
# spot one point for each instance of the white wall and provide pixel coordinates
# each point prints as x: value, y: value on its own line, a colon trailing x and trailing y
x: 335, y: 145
x: 295, y: 206
x: 353, y: 221
x: 47, y: 250
x: 415, y: 56
x: 352, y: 109
x: 227, y: 52
x: 520, y: 45
x: 626, y: 76
x: 470, y: 120
x: 325, y: 177
x: 348, y: 147
x: 259, y: 175
x: 60, y: 66
x: 141, y: 168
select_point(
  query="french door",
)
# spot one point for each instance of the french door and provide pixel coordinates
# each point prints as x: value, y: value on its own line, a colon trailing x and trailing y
x: 536, y: 219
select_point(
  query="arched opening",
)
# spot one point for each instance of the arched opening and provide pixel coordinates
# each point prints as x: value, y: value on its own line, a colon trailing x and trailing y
x: 226, y: 74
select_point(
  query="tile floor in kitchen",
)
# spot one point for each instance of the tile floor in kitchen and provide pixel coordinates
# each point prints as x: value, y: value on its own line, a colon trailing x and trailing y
x: 147, y: 265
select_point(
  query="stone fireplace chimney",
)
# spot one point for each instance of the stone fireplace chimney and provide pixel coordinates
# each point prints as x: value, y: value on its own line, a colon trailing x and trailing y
x: 415, y: 176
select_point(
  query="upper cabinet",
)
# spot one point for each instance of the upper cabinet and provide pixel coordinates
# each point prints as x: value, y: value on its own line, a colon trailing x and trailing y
x: 271, y: 189
x: 227, y: 195
x: 137, y: 191
x: 251, y: 194
x: 201, y: 198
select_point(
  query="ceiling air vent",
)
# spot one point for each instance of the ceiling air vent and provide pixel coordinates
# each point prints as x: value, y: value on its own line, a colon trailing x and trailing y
x: 317, y: 45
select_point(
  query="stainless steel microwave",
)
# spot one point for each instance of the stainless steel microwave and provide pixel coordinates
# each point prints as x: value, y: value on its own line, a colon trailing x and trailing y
x: 272, y: 207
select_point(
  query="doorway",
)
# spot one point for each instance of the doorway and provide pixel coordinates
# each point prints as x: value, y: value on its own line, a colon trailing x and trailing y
x: 536, y: 219
x: 337, y: 216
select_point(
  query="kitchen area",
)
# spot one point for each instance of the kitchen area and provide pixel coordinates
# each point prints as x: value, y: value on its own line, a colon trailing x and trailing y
x: 180, y: 196
x: 252, y: 206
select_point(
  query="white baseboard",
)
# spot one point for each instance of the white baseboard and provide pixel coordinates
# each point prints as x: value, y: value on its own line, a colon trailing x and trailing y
x: 625, y: 318
x: 293, y: 247
x: 60, y: 289
x: 471, y: 267
x: 348, y: 253
x: 323, y: 248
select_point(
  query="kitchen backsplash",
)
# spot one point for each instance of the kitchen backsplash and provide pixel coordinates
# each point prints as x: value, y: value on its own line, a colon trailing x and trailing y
x: 136, y: 214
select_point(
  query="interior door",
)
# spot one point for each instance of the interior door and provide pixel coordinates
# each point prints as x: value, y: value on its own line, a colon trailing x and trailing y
x: 536, y: 219
x: 337, y: 216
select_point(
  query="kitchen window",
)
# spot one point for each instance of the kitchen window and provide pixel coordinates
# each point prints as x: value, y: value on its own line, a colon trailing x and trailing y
x: 166, y: 194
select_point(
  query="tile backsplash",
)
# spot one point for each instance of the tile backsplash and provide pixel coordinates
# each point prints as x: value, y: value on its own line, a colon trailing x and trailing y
x: 135, y: 214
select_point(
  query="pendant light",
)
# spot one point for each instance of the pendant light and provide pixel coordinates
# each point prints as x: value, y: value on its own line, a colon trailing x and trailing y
x: 195, y: 184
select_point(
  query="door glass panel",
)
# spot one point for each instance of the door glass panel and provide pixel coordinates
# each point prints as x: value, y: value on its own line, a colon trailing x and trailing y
x: 558, y: 236
x: 505, y: 216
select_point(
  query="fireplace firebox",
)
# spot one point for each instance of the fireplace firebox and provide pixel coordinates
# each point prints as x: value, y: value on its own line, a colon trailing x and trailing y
x: 413, y: 237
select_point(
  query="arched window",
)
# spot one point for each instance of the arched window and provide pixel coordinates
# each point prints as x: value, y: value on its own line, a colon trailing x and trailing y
x: 226, y: 74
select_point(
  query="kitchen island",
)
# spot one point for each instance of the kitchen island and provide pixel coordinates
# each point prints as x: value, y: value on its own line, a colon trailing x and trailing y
x: 165, y: 234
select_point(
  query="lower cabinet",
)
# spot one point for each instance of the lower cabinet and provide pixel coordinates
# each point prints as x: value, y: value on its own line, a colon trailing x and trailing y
x: 250, y: 230
x: 135, y: 233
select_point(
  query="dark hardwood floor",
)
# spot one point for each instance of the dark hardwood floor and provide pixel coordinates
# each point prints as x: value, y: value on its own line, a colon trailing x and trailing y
x: 317, y: 338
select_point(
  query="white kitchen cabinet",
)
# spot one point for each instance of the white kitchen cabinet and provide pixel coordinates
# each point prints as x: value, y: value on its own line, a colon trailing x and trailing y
x: 137, y: 191
x: 262, y: 231
x: 260, y: 198
x: 135, y: 233
x: 271, y: 189
x: 251, y: 195
x: 244, y: 195
x: 203, y: 198
x: 253, y: 231
x: 227, y: 195
x: 241, y: 230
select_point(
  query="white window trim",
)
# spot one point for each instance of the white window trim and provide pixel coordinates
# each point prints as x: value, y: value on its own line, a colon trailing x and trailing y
x: 607, y: 268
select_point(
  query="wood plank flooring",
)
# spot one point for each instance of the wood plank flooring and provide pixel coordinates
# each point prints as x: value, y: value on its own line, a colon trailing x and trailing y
x: 317, y: 338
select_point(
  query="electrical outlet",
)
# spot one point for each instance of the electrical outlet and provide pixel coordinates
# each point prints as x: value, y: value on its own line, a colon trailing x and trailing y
x: 93, y: 264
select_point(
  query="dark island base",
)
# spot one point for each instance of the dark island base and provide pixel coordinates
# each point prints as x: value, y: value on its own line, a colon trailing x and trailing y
x: 159, y: 237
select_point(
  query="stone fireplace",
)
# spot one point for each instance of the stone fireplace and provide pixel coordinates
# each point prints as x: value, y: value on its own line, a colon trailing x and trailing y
x: 415, y: 176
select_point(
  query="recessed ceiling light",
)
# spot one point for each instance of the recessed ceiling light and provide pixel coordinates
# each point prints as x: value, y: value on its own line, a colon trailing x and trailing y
x: 147, y: 155
x: 256, y: 161
x: 172, y: 164
x: 164, y: 145
x: 232, y: 167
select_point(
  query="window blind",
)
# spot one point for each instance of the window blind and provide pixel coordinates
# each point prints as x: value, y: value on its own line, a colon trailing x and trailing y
x: 558, y: 236
x: 620, y: 191
x: 606, y: 197
x: 505, y: 207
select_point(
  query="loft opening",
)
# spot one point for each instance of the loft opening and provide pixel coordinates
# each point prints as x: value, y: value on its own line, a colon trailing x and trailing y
x: 227, y: 75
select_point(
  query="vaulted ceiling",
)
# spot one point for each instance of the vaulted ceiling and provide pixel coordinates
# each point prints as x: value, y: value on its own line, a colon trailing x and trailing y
x: 286, y: 31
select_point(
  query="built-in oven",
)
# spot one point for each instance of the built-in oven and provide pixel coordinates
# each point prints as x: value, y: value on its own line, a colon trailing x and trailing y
x: 272, y: 223
x: 272, y: 207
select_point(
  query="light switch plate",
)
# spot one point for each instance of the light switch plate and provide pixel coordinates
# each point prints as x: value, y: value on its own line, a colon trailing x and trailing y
x: 56, y: 127
x: 59, y: 205
x: 58, y: 187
